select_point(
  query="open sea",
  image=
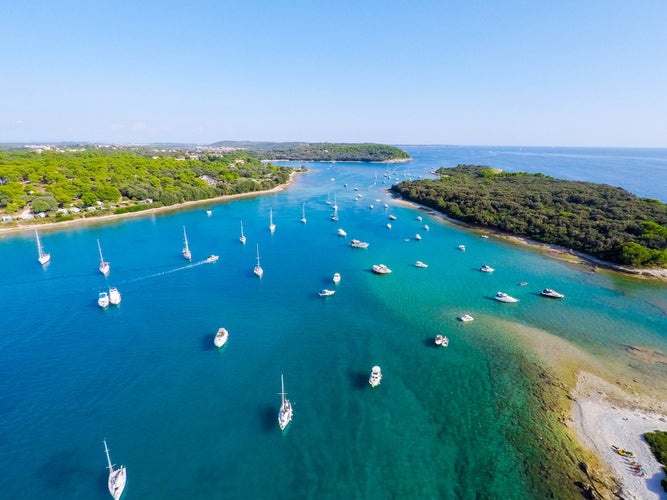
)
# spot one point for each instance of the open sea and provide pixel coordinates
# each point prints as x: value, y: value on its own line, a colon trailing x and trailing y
x: 191, y: 421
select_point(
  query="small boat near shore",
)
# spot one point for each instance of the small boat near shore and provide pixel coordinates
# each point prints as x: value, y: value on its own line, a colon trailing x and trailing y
x: 418, y: 237
x: 376, y: 376
x: 43, y: 257
x: 462, y: 248
x: 221, y: 337
x: 380, y: 269
x: 503, y: 297
x: 187, y: 255
x: 548, y: 292
x: 466, y: 318
x: 242, y: 238
x: 272, y: 226
x: 104, y: 265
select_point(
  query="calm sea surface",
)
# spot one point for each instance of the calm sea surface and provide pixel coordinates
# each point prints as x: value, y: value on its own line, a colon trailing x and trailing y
x: 191, y: 421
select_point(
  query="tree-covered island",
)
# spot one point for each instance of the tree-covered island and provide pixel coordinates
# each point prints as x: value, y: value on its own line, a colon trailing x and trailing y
x: 605, y: 222
x: 63, y: 183
x: 320, y: 151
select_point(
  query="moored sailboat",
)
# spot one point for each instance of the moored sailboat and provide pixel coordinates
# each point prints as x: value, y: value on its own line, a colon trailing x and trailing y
x: 303, y: 213
x: 285, y: 413
x: 44, y: 258
x: 104, y: 266
x: 259, y: 272
x: 187, y: 255
x: 117, y: 477
x: 272, y: 226
x: 242, y: 239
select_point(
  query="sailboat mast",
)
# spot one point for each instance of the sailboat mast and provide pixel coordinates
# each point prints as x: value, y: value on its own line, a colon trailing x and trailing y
x: 241, y: 229
x: 39, y: 243
x: 185, y: 237
x: 99, y: 247
x: 258, y: 254
x: 282, y: 391
x: 106, y: 450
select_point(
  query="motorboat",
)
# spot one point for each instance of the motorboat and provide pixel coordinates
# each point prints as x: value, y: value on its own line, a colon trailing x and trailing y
x: 376, y: 376
x: 272, y: 226
x: 103, y: 300
x: 486, y: 269
x: 341, y: 232
x: 419, y: 263
x: 503, y: 297
x: 441, y: 340
x: 358, y: 244
x: 211, y: 258
x: 114, y: 296
x: 303, y: 213
x: 117, y: 477
x: 209, y: 212
x: 426, y: 228
x: 285, y: 412
x: 388, y: 225
x: 392, y: 217
x: 326, y: 293
x: 462, y: 248
x: 380, y: 269
x: 242, y: 238
x: 419, y: 218
x: 221, y: 337
x: 43, y: 258
x: 104, y: 266
x: 336, y: 278
x: 548, y: 292
x: 418, y: 237
x: 466, y: 318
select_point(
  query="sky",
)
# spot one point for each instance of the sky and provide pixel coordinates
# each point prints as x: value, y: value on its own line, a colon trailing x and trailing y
x: 517, y: 73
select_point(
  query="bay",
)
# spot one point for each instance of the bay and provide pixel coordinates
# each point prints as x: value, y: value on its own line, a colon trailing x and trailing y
x: 191, y: 421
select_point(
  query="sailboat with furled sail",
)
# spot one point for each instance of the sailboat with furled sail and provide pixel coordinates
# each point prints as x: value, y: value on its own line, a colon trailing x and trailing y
x: 104, y: 266
x: 272, y: 226
x: 117, y: 477
x: 285, y: 413
x: 303, y: 213
x: 187, y: 255
x: 259, y: 272
x: 44, y: 258
x: 242, y: 239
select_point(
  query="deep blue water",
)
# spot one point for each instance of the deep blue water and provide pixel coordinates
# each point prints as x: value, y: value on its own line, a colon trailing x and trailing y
x: 191, y: 421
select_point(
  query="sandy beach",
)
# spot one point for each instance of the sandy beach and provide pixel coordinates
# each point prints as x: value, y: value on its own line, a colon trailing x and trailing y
x: 603, y: 416
x: 4, y: 229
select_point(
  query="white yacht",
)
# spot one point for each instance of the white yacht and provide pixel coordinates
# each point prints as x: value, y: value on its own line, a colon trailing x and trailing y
x: 441, y: 340
x: 418, y: 237
x: 303, y: 213
x: 103, y: 299
x: 419, y: 218
x: 486, y: 269
x: 258, y: 269
x: 426, y: 228
x: 419, y: 263
x: 462, y: 248
x: 242, y: 238
x: 104, y: 266
x: 211, y: 259
x: 503, y: 297
x: 44, y: 258
x: 117, y: 477
x: 114, y: 296
x: 272, y: 226
x: 358, y: 244
x: 187, y: 255
x: 326, y: 293
x: 380, y: 269
x: 341, y: 232
x: 221, y: 337
x: 466, y: 318
x: 209, y: 212
x: 548, y: 292
x: 392, y: 217
x: 376, y: 376
x: 285, y: 413
x: 388, y: 225
x: 334, y: 216
x: 336, y: 278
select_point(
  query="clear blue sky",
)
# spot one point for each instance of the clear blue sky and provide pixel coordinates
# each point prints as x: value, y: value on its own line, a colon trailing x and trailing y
x: 565, y: 73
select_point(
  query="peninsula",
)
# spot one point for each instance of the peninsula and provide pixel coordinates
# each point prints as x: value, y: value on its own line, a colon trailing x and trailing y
x: 602, y: 221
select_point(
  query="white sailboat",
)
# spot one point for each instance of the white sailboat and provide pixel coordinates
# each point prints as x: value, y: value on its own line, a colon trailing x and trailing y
x: 104, y: 266
x: 303, y: 213
x: 44, y: 258
x: 335, y: 205
x: 258, y: 269
x: 117, y: 477
x: 272, y: 226
x: 285, y: 413
x: 187, y: 255
x: 242, y: 238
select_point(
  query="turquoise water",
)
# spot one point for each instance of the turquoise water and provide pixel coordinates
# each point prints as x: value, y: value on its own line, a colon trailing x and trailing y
x: 191, y: 421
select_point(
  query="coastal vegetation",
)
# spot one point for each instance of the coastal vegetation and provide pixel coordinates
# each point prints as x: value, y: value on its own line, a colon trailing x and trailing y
x: 62, y: 185
x: 658, y: 442
x: 321, y: 151
x: 605, y: 222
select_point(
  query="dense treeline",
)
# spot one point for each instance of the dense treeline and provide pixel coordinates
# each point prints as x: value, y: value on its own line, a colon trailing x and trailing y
x: 322, y: 151
x: 657, y: 440
x: 46, y: 181
x: 603, y: 221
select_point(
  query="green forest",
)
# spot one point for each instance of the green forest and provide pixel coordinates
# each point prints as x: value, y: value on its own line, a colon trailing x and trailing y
x: 59, y: 184
x: 600, y: 220
x: 322, y: 151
